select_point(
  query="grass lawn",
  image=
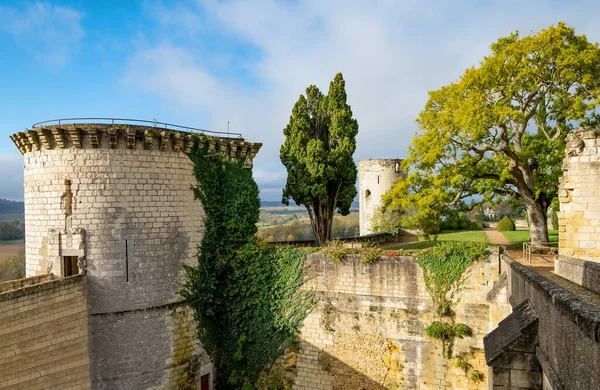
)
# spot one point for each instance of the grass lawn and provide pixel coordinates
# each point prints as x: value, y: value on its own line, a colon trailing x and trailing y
x: 446, y: 235
x: 16, y: 241
x: 518, y: 237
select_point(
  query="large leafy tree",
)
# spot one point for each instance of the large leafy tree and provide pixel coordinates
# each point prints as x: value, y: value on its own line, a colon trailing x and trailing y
x: 500, y: 130
x: 317, y: 153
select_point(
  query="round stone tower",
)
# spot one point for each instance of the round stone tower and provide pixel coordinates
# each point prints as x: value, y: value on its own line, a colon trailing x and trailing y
x: 375, y: 177
x: 114, y: 201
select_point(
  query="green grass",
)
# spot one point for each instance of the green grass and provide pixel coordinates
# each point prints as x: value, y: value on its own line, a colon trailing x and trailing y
x: 518, y: 237
x: 15, y: 241
x: 446, y: 235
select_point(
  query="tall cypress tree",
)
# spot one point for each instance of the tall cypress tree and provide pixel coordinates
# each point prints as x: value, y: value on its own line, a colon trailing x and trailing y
x: 317, y: 153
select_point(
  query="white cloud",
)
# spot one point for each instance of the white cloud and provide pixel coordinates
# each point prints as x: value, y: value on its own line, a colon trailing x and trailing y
x: 51, y: 32
x: 391, y: 53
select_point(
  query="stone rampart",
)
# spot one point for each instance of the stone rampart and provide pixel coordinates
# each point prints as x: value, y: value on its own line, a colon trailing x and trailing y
x: 567, y: 332
x: 367, y: 331
x: 44, y: 334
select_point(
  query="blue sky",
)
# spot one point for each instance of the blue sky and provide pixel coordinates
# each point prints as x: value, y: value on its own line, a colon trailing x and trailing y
x: 203, y: 63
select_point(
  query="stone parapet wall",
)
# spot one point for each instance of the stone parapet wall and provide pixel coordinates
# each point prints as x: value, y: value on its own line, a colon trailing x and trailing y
x: 25, y: 282
x: 579, y: 195
x: 44, y: 336
x: 367, y: 331
x: 568, y: 331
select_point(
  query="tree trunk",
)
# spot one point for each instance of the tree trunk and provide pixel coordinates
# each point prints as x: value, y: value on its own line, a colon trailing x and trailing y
x: 538, y: 222
x: 321, y: 218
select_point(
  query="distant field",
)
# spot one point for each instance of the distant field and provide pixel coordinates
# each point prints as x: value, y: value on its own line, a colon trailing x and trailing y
x: 11, y: 248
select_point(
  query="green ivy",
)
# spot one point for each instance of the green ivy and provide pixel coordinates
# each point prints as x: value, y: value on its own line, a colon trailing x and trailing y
x: 444, y: 272
x: 245, y: 294
x: 446, y: 333
x: 444, y: 267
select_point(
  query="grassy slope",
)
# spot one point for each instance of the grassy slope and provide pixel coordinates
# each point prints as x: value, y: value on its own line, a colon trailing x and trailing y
x: 446, y: 235
x: 518, y: 237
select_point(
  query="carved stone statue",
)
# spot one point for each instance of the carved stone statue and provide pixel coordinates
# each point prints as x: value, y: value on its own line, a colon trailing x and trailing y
x: 66, y: 199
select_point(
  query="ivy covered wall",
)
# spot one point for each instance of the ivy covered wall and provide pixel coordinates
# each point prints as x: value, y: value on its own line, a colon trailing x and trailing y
x: 245, y: 294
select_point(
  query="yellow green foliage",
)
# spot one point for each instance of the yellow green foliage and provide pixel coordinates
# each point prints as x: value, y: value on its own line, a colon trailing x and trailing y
x: 499, y: 130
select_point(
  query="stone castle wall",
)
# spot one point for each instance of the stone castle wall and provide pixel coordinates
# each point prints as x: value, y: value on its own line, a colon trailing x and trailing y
x: 567, y: 332
x: 579, y: 195
x: 44, y: 334
x: 119, y: 199
x: 367, y: 331
x: 375, y: 178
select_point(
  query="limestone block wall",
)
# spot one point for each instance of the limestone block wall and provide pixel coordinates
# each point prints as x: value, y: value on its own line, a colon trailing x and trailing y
x: 367, y: 331
x: 140, y: 219
x: 568, y: 331
x: 44, y: 334
x: 579, y: 195
x: 375, y: 178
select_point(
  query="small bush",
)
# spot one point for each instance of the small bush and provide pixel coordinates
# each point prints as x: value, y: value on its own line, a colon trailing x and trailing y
x: 440, y: 330
x: 505, y: 225
x: 462, y: 330
x: 476, y: 376
x: 463, y: 365
x: 336, y: 250
x: 370, y: 252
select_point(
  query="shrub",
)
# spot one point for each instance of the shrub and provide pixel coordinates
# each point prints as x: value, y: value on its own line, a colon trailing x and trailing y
x: 446, y: 333
x: 476, y: 376
x: 462, y: 330
x: 458, y: 221
x: 506, y: 224
x: 440, y: 330
x: 336, y: 250
x: 555, y: 208
x: 370, y: 252
x: 463, y: 365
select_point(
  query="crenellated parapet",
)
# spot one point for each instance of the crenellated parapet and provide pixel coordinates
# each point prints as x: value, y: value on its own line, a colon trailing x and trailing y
x: 118, y: 136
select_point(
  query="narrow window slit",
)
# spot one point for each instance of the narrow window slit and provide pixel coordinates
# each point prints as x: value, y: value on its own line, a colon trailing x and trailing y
x: 126, y: 263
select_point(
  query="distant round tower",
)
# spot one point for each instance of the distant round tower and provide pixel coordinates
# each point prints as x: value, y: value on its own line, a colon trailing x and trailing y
x: 375, y: 177
x: 114, y: 201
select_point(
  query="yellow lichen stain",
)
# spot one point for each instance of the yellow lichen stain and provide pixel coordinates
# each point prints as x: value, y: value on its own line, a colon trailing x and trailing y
x: 392, y: 358
x: 183, y: 340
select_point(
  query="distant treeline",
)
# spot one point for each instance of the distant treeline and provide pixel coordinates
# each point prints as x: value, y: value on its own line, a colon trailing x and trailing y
x: 301, y: 230
x: 11, y: 207
x: 276, y: 203
x: 12, y: 230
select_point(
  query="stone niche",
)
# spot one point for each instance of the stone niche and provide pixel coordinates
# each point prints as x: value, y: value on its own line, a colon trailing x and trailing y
x: 66, y: 252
